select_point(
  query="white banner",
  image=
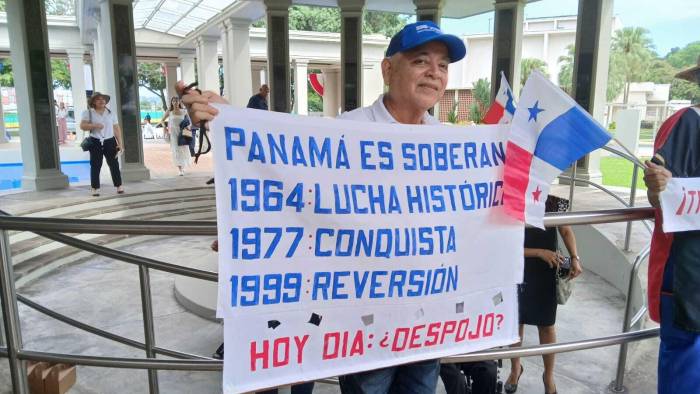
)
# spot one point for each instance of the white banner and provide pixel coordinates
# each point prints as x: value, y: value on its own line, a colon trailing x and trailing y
x: 680, y: 205
x: 348, y: 246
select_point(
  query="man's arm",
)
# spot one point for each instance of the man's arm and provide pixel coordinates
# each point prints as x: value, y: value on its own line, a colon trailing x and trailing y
x: 198, y: 103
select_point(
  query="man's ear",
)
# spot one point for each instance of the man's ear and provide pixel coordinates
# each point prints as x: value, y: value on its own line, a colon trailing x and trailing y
x: 387, y: 69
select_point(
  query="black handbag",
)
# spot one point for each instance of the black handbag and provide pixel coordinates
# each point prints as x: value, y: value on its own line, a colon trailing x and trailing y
x: 185, y: 136
x: 88, y: 142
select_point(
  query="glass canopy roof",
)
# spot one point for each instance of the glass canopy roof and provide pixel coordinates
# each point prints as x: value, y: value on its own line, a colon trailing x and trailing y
x: 176, y: 17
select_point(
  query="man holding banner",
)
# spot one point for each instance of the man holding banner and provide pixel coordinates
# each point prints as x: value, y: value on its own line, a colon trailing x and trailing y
x: 673, y: 185
x: 415, y: 71
x: 367, y: 245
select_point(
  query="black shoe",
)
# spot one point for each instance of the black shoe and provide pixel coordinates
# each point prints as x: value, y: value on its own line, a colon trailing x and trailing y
x: 511, y: 388
x: 210, y: 182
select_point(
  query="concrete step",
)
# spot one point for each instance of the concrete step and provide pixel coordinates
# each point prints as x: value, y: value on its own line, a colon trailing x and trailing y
x: 34, y: 255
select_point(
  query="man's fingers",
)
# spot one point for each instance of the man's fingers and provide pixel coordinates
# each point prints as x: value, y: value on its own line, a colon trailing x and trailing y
x: 214, y: 98
x: 201, y: 116
x: 194, y: 98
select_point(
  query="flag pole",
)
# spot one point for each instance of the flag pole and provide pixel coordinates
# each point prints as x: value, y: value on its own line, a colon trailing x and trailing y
x: 627, y: 154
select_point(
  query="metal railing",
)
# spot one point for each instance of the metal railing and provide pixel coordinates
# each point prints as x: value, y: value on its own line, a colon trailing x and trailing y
x: 573, y: 180
x: 617, y: 385
x: 51, y: 227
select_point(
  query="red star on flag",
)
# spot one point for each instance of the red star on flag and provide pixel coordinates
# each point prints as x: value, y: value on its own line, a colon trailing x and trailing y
x: 536, y: 193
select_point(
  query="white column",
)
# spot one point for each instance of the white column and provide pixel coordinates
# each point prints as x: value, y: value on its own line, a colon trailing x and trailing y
x: 170, y: 80
x: 331, y: 92
x: 77, y: 81
x: 187, y: 67
x: 552, y: 65
x: 107, y: 81
x: 256, y: 81
x: 29, y: 51
x: 3, y: 137
x: 90, y: 73
x: 301, y: 89
x: 372, y: 81
x: 226, y: 58
x: 236, y: 55
x: 208, y: 63
x: 98, y: 72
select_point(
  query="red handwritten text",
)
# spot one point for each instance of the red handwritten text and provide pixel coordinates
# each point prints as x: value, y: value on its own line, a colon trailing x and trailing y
x: 693, y: 203
x: 278, y: 351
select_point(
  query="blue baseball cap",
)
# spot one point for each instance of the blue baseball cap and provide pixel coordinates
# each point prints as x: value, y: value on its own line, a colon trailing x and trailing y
x: 416, y: 34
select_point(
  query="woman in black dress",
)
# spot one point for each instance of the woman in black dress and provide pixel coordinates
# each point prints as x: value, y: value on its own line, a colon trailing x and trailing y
x: 537, y: 297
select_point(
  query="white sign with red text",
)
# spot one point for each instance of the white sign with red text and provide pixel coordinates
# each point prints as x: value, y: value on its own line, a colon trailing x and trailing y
x: 680, y: 205
x: 348, y: 246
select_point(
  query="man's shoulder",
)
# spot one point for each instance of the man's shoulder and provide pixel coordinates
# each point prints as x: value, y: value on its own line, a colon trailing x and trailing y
x: 361, y: 114
x: 683, y: 115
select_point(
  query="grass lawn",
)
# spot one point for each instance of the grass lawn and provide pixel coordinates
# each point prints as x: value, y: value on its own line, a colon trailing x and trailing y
x: 618, y: 172
x: 646, y: 134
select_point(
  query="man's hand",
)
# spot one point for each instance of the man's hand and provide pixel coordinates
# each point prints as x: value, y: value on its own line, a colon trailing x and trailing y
x: 198, y: 104
x: 656, y: 178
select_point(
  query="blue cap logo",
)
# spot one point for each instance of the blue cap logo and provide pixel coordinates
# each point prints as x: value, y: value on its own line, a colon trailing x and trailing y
x: 422, y: 32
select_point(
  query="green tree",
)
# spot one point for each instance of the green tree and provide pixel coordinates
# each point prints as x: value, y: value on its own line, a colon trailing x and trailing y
x: 685, y: 57
x: 616, y: 78
x: 659, y: 71
x: 151, y: 77
x: 566, y: 73
x: 326, y: 19
x: 6, y: 75
x: 2, y: 5
x: 60, y: 7
x: 528, y: 65
x: 684, y: 90
x: 315, y: 101
x: 314, y: 18
x: 482, y: 97
x: 682, y: 58
x: 60, y: 73
x: 631, y: 51
x: 386, y: 23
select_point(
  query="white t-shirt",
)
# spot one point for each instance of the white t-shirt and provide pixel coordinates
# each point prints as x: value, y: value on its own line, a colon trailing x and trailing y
x: 108, y: 120
x: 378, y: 113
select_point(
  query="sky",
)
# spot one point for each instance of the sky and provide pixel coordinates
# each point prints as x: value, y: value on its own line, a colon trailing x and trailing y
x: 671, y: 23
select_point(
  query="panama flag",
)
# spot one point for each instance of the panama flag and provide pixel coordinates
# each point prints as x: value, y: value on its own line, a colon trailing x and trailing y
x: 503, y: 107
x: 549, y: 132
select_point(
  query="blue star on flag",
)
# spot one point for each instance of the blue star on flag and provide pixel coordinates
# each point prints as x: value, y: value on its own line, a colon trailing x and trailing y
x: 510, y: 107
x: 534, y: 110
